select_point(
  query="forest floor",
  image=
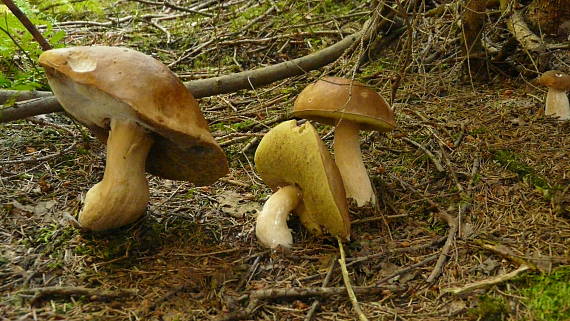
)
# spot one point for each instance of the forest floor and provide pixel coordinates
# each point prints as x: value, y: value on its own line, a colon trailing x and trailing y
x: 494, y: 163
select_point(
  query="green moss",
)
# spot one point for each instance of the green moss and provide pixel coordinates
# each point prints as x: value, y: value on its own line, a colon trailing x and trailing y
x: 548, y: 296
x: 245, y: 17
x: 489, y: 308
x: 513, y: 163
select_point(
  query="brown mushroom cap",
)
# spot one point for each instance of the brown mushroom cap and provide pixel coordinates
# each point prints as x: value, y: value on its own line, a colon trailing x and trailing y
x: 332, y: 98
x: 289, y: 154
x: 97, y: 83
x: 555, y: 79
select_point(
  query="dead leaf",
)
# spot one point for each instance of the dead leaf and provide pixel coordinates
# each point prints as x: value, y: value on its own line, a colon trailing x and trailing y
x: 236, y: 205
x: 489, y: 265
x: 39, y: 208
x: 456, y: 306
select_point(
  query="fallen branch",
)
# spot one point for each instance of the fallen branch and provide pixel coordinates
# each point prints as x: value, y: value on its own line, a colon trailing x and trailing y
x: 250, y: 79
x: 7, y: 95
x: 29, y: 108
x: 92, y: 294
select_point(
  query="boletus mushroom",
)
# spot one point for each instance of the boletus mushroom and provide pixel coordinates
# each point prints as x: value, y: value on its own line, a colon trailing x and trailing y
x: 295, y: 163
x: 148, y: 119
x: 350, y: 106
x: 558, y: 84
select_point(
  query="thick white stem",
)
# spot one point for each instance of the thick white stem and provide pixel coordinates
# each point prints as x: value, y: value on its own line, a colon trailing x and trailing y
x: 557, y: 104
x: 271, y: 227
x: 122, y: 196
x: 348, y: 159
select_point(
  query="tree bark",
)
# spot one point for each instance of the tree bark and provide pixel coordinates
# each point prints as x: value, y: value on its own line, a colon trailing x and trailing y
x: 547, y: 16
x: 473, y: 21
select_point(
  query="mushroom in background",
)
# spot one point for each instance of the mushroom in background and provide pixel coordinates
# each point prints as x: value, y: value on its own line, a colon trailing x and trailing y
x: 558, y: 84
x: 148, y: 119
x: 350, y: 106
x: 296, y: 164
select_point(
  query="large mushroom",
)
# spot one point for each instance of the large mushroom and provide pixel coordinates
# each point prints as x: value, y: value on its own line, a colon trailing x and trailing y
x: 558, y: 84
x: 148, y: 119
x: 350, y: 106
x: 296, y: 164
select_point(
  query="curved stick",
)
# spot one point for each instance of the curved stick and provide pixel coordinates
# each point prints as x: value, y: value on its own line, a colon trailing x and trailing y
x: 217, y: 85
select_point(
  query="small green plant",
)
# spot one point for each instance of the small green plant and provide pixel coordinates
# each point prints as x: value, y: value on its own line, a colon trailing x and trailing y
x: 19, y: 68
x: 548, y: 296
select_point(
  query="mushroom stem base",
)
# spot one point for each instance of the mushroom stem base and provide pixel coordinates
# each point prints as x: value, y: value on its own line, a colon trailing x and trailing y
x: 348, y: 158
x: 557, y: 104
x: 122, y: 196
x: 271, y: 227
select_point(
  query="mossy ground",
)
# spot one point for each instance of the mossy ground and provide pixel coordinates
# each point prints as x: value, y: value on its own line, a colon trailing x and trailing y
x: 194, y: 253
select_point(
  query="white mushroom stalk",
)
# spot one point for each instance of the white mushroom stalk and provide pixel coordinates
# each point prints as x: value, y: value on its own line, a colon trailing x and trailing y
x: 557, y: 104
x: 348, y: 158
x: 271, y: 227
x: 122, y: 196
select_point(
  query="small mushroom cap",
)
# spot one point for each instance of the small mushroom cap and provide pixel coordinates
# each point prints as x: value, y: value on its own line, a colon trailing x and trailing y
x: 555, y: 79
x: 95, y: 84
x: 332, y: 98
x: 290, y: 154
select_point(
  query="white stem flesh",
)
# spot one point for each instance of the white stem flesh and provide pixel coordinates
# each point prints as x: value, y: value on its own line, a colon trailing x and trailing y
x: 271, y: 227
x: 348, y: 158
x: 557, y: 104
x: 122, y: 196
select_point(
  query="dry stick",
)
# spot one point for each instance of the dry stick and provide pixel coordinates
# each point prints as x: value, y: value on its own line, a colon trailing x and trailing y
x: 92, y: 294
x: 44, y: 105
x: 483, y: 284
x: 505, y: 252
x: 346, y: 279
x: 28, y: 24
x: 429, y: 154
x: 8, y: 95
x: 217, y: 85
x: 317, y: 303
x: 453, y: 227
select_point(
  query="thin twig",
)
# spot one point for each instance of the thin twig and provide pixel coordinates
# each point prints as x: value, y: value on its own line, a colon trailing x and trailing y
x: 429, y: 154
x: 346, y: 278
x: 316, y: 304
x: 483, y: 284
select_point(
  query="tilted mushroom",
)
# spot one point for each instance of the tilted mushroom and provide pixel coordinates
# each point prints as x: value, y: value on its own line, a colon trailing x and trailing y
x: 148, y: 119
x: 350, y: 106
x: 558, y: 84
x: 296, y: 164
